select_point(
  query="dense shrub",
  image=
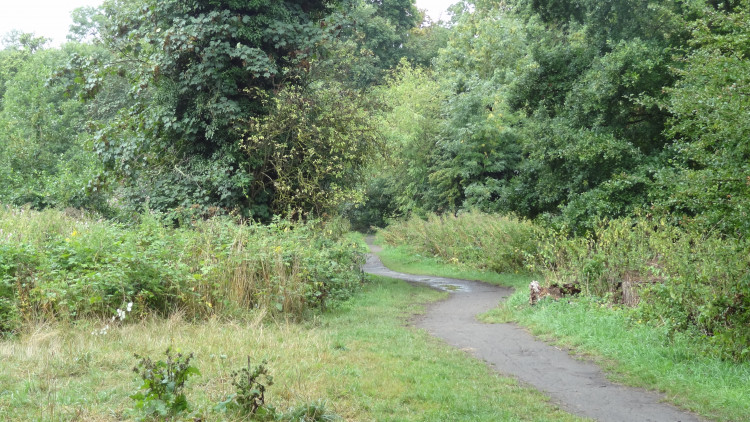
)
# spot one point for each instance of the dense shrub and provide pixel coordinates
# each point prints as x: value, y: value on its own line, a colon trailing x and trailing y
x: 679, y: 278
x: 56, y: 266
x: 484, y: 241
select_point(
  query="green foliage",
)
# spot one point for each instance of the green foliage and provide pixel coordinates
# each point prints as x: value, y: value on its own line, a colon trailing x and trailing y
x: 196, y: 70
x: 560, y: 109
x: 58, y: 267
x: 309, y: 148
x: 682, y: 280
x: 370, y: 38
x: 162, y: 392
x: 483, y: 241
x: 250, y: 384
x: 45, y: 152
x: 16, y: 264
x: 396, y: 182
x: 709, y: 183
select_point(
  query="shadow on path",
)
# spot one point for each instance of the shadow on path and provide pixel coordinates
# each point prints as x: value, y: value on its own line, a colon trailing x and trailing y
x: 579, y: 387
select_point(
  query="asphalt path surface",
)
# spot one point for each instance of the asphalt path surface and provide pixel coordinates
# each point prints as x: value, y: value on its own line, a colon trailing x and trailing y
x: 576, y: 385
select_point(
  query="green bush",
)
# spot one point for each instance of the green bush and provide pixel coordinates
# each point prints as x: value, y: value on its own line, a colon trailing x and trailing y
x: 56, y: 266
x: 679, y: 278
x: 483, y: 241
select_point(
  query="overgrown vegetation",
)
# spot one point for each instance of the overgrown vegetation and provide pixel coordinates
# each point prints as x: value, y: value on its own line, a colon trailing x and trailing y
x: 55, y: 267
x: 499, y: 244
x: 679, y: 280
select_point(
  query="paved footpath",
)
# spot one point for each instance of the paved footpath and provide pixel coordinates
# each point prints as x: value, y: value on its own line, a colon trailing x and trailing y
x: 578, y: 386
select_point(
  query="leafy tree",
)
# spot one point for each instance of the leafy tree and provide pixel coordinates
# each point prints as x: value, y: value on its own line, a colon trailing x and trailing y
x: 198, y: 70
x: 370, y: 38
x: 87, y: 22
x: 18, y: 47
x: 312, y: 144
x: 424, y: 43
x: 45, y: 157
x: 710, y: 180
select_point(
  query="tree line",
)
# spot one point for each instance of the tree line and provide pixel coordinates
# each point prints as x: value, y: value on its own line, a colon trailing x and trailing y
x: 568, y: 112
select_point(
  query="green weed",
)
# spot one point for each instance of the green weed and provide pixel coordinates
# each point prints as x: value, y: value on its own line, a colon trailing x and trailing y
x: 57, y: 267
x: 162, y: 392
x: 250, y: 383
x: 482, y: 241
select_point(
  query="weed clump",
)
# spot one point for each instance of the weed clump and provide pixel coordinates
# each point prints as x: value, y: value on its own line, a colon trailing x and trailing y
x: 162, y: 392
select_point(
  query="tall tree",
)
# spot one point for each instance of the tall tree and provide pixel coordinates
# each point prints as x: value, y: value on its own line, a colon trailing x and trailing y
x: 198, y: 68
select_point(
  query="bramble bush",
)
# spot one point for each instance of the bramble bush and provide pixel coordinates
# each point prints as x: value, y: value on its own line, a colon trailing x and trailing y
x: 54, y: 266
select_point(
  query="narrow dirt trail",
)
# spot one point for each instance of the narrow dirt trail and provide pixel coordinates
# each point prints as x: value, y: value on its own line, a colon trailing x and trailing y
x: 579, y: 387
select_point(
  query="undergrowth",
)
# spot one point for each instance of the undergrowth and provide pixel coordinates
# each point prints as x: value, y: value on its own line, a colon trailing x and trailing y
x: 493, y: 243
x: 59, y: 267
x: 675, y: 278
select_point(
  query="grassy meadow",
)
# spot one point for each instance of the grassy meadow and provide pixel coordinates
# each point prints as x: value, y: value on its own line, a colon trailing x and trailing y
x: 359, y: 361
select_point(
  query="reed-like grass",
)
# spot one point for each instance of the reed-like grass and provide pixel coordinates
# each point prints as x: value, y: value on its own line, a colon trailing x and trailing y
x: 483, y: 241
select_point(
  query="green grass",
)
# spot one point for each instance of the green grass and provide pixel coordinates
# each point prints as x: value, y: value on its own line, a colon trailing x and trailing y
x: 637, y: 354
x: 404, y: 259
x: 359, y: 359
x: 633, y: 353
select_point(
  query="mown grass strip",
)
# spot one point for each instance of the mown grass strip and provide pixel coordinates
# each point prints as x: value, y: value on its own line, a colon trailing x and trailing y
x: 359, y: 359
x: 635, y: 354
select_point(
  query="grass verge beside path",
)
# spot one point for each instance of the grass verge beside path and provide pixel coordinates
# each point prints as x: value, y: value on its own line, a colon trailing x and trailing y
x: 402, y: 259
x: 634, y: 353
x: 359, y: 359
